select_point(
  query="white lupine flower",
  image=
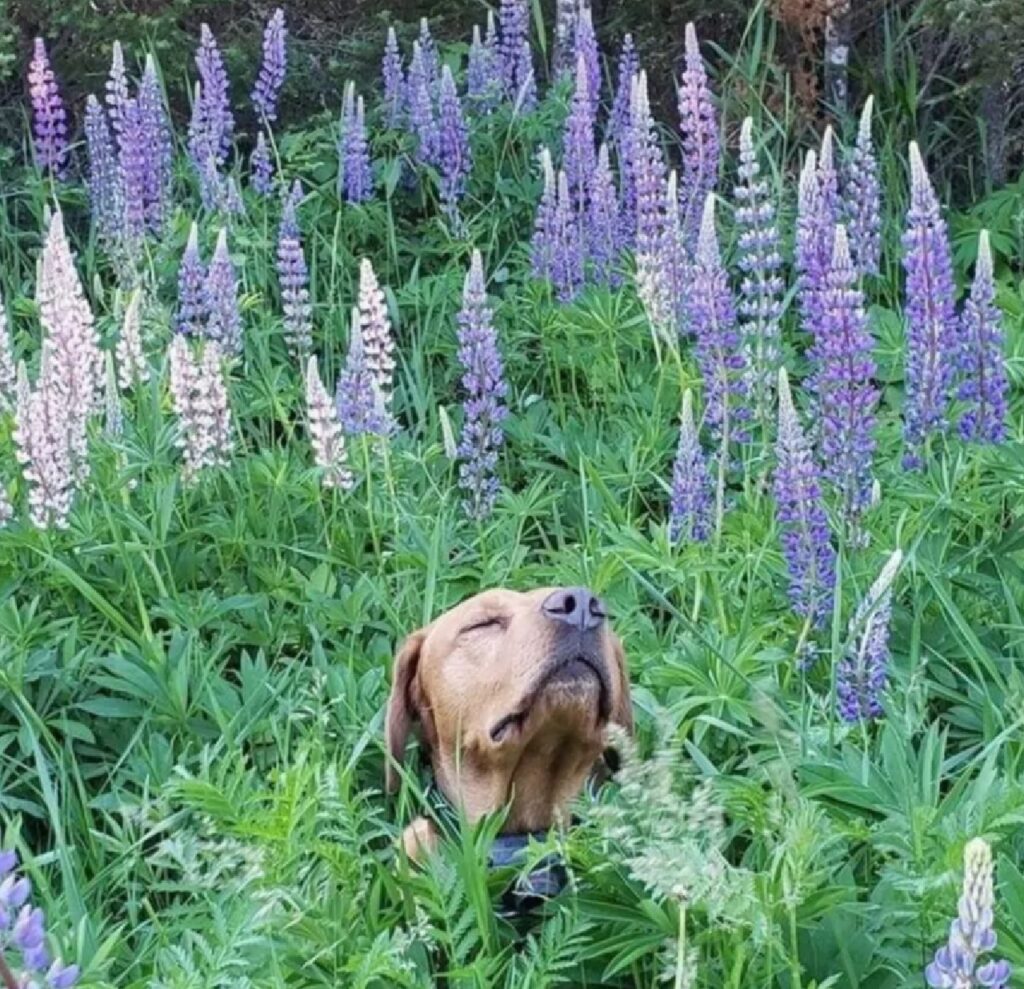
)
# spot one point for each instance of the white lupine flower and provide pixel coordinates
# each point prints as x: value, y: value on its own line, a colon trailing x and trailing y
x: 325, y: 432
x: 200, y: 396
x: 8, y: 371
x: 378, y: 341
x: 131, y: 362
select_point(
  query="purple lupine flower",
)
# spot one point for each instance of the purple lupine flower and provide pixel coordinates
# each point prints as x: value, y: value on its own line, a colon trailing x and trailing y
x: 666, y: 297
x: 455, y: 157
x: 699, y: 126
x: 105, y: 197
x: 49, y: 119
x: 190, y: 319
x: 134, y: 166
x: 484, y: 409
x: 806, y: 543
x: 483, y: 75
x: 984, y: 383
x: 604, y: 225
x: 862, y: 197
x: 293, y: 277
x: 648, y: 170
x: 431, y: 55
x: 712, y: 319
x: 202, y: 154
x: 158, y: 145
x: 218, y: 119
x: 812, y: 250
x: 199, y: 393
x: 932, y: 348
x: 358, y: 175
x: 759, y: 260
x: 220, y: 292
x: 421, y: 109
x: 568, y: 252
x: 526, y: 81
x: 828, y: 181
x: 394, y: 79
x: 357, y: 398
x: 844, y: 372
x: 690, y: 510
x: 862, y: 675
x: 275, y: 62
x: 378, y: 339
x: 629, y: 66
x: 542, y: 247
x: 116, y: 87
x: 261, y: 167
x: 585, y: 48
x: 957, y: 963
x: 578, y: 156
x: 514, y: 21
x: 325, y: 432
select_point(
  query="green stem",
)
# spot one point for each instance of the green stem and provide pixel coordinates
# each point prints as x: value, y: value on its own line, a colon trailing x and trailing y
x: 681, y: 948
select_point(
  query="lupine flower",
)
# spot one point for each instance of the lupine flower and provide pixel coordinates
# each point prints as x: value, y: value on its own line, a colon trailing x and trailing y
x: 971, y: 935
x: 578, y: 156
x: 690, y: 510
x: 984, y: 384
x: 421, y: 109
x: 275, y: 58
x: 828, y: 181
x: 116, y: 87
x: 483, y: 74
x: 394, y: 79
x: 514, y: 21
x: 217, y: 117
x: 811, y: 256
x: 358, y: 176
x: 191, y: 317
x: 712, y: 318
x: 759, y: 260
x: 293, y: 277
x: 629, y: 65
x: 932, y: 349
x: 483, y: 381
x: 49, y: 119
x: 132, y: 368
x: 568, y: 250
x: 862, y: 675
x: 667, y: 306
x: 806, y: 543
x: 134, y: 167
x: 585, y: 48
x: 431, y: 56
x: 113, y: 412
x: 378, y: 341
x: 526, y: 81
x: 325, y: 433
x: 220, y: 291
x: 844, y: 371
x: 261, y: 167
x: 455, y: 156
x: 8, y: 370
x: 159, y: 148
x: 6, y: 507
x: 604, y: 235
x: 357, y: 399
x: 700, y: 137
x: 200, y: 397
x: 105, y: 195
x: 862, y: 196
x: 542, y: 247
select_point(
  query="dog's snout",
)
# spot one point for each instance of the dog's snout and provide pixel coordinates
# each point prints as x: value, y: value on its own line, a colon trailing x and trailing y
x: 575, y: 606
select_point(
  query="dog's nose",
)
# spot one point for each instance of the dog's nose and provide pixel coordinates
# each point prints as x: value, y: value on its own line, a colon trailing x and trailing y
x: 575, y: 606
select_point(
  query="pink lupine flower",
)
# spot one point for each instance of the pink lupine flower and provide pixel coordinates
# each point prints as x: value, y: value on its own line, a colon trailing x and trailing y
x: 325, y: 432
x: 200, y: 396
x: 131, y: 362
x: 6, y: 508
x: 378, y: 341
x: 8, y: 371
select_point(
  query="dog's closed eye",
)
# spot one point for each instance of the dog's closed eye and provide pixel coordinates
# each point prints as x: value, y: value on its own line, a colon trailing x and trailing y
x: 492, y: 622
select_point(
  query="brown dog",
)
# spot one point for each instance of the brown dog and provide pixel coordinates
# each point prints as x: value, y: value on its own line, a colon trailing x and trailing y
x: 511, y: 694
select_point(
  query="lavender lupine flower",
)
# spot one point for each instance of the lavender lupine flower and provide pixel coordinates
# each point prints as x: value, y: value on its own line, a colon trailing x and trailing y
x: 957, y: 963
x: 431, y: 56
x: 8, y: 369
x: 293, y: 277
x: 604, y: 233
x: 483, y: 74
x: 863, y: 673
x: 932, y: 345
x: 828, y: 181
x: 200, y: 397
x: 358, y: 400
x: 455, y: 157
x: 666, y: 300
x: 325, y: 433
x: 862, y: 195
x: 394, y: 79
x: 585, y: 48
x: 984, y: 384
x: 759, y: 260
x: 378, y: 340
x: 158, y: 144
x: 568, y: 250
x: 526, y: 81
x: 846, y: 396
x: 629, y: 65
x: 484, y: 409
x: 219, y: 123
x: 275, y: 59
x: 421, y: 109
x: 105, y: 195
x: 647, y: 177
x: 699, y: 126
x: 220, y: 292
x: 514, y: 21
x: 192, y: 313
x: 261, y: 167
x: 132, y: 368
x: 134, y: 167
x: 812, y: 250
x: 49, y: 119
x: 357, y: 173
x: 116, y: 87
x: 542, y: 247
x: 578, y: 156
x: 690, y: 509
x: 805, y: 539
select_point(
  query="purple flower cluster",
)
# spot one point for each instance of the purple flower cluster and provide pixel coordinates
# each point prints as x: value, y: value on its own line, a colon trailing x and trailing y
x: 267, y: 90
x: 431, y: 56
x: 356, y: 174
x: 647, y: 166
x: 932, y: 344
x: 578, y: 155
x: 483, y: 74
x: 212, y: 126
x: 105, y: 191
x: 604, y: 226
x: 628, y: 67
x: 690, y: 510
x: 421, y: 109
x: 484, y: 408
x: 557, y: 248
x: 984, y: 384
x: 23, y: 930
x: 158, y: 148
x: 957, y: 964
x: 190, y: 319
x: 49, y: 118
x: 514, y: 46
x: 673, y: 269
x: 393, y: 76
x: 220, y: 295
x: 293, y: 277
x: 454, y: 154
x: 862, y: 198
x: 806, y: 543
x: 357, y: 399
x: 586, y: 50
x: 134, y: 165
x: 699, y: 126
x: 116, y: 87
x: 261, y: 167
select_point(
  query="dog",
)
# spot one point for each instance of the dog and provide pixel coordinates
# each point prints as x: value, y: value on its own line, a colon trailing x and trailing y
x: 510, y: 694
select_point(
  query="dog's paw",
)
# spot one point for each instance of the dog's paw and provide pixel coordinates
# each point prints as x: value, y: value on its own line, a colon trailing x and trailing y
x: 420, y: 840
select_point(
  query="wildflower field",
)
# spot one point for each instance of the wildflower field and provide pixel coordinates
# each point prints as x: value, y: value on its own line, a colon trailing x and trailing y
x: 274, y: 394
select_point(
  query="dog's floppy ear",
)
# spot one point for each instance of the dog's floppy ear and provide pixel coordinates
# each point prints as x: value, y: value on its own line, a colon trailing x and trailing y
x: 622, y: 713
x: 403, y: 707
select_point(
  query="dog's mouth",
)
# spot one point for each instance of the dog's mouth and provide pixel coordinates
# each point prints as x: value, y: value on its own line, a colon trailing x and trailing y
x: 572, y: 674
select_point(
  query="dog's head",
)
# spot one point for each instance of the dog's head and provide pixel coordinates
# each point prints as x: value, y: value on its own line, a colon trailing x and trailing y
x: 511, y: 694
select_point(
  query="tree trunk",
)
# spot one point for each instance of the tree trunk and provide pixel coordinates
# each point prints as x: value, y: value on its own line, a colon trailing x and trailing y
x: 837, y: 58
x: 994, y: 98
